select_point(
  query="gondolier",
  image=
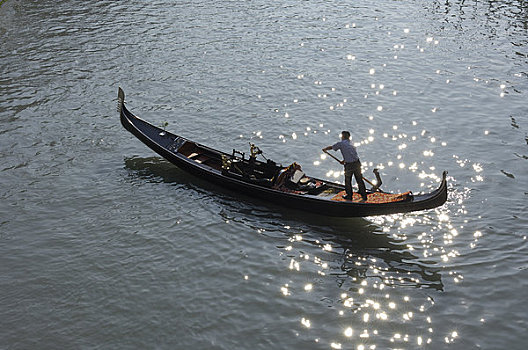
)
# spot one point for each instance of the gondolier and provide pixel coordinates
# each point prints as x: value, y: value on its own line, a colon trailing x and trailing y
x: 352, y: 165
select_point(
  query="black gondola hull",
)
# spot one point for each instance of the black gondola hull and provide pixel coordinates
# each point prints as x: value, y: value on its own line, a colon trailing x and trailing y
x: 166, y: 145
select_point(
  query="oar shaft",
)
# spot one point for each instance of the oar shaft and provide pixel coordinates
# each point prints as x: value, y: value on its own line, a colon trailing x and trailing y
x: 331, y: 155
x: 367, y: 180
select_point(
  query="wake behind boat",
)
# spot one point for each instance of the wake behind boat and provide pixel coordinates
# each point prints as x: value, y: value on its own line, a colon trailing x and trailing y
x: 285, y: 186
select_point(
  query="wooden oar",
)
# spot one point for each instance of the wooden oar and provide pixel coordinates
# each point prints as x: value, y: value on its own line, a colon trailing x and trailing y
x: 341, y: 162
x: 331, y: 155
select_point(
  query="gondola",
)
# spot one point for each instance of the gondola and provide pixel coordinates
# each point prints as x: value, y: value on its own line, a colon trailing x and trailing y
x: 286, y: 186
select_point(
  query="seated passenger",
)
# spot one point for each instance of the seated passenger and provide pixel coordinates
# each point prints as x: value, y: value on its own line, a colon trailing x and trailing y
x: 293, y: 178
x: 285, y: 175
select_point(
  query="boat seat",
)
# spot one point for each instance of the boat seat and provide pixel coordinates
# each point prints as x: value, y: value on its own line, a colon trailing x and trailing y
x: 202, y: 158
x: 198, y: 158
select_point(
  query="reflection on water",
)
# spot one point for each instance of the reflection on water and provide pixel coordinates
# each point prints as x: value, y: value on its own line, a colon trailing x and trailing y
x: 371, y: 267
x: 390, y: 268
x: 366, y: 266
x: 360, y: 242
x: 513, y: 14
x: 154, y: 169
x: 352, y: 266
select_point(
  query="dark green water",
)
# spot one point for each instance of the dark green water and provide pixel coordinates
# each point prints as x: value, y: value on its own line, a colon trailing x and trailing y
x: 105, y: 245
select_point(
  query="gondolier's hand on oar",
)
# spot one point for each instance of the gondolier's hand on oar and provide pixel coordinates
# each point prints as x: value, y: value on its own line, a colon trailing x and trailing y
x: 326, y: 149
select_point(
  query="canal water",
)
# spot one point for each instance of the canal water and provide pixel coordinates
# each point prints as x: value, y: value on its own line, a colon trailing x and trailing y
x: 105, y: 245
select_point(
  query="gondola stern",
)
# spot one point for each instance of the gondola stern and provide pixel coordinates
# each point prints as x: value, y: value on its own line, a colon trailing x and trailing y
x: 444, y: 187
x: 439, y: 197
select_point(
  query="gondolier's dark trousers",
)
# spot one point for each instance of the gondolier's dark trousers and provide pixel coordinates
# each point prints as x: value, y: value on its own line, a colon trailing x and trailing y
x: 354, y: 168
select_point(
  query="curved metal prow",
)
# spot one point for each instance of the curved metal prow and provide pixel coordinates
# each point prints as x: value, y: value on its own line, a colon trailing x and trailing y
x: 120, y: 99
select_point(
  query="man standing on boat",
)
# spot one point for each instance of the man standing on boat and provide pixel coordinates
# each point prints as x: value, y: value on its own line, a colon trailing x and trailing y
x: 351, y: 163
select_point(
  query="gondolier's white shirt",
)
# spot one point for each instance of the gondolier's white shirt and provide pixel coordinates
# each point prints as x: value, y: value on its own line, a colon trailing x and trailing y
x: 347, y: 150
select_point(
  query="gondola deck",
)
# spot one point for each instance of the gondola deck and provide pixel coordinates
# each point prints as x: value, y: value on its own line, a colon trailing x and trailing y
x: 376, y: 197
x: 269, y: 181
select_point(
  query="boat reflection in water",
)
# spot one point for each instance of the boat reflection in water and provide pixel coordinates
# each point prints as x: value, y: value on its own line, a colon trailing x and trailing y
x: 364, y: 251
x: 357, y: 276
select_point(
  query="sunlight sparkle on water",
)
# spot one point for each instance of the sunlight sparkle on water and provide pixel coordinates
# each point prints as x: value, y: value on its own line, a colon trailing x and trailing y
x: 348, y: 332
x: 348, y: 302
x: 284, y: 290
x: 382, y: 316
x: 294, y: 265
x: 443, y: 217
